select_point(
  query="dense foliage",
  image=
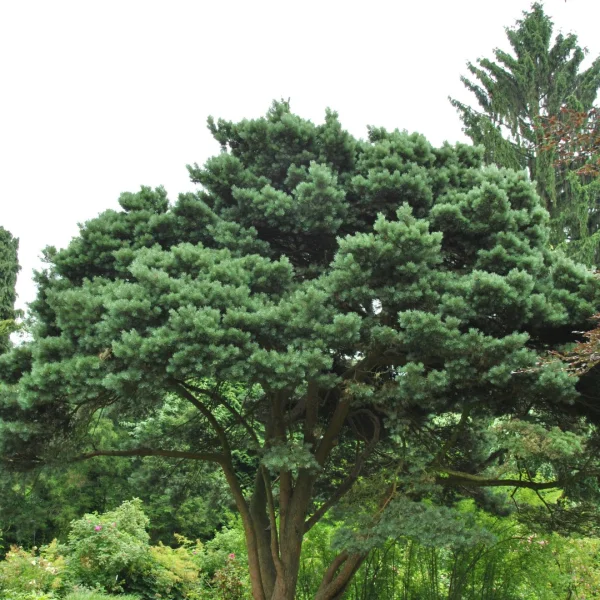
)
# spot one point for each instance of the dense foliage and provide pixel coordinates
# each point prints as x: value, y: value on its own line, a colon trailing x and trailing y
x: 110, y: 553
x: 330, y: 321
x: 187, y: 497
x: 573, y: 138
x: 514, y: 563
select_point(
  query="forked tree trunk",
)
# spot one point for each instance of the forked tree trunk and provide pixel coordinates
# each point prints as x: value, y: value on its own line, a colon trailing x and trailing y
x: 275, y: 544
x: 273, y: 568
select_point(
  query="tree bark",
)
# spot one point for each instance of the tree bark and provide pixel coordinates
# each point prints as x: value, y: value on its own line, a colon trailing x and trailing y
x: 274, y: 548
x: 338, y: 576
x: 262, y: 528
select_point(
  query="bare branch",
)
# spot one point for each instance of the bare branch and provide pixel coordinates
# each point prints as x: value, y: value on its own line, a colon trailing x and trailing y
x: 347, y: 484
x: 205, y: 456
x: 272, y: 524
x: 451, y: 477
x: 332, y: 585
x: 181, y: 389
x: 224, y: 402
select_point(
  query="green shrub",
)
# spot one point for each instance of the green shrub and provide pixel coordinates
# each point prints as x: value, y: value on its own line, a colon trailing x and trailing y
x: 231, y: 580
x: 94, y: 595
x: 104, y: 548
x: 172, y: 573
x: 215, y: 552
x: 27, y: 575
x: 30, y: 596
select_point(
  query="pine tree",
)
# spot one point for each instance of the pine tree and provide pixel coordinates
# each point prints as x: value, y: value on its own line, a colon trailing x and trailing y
x: 375, y: 304
x: 9, y: 267
x: 516, y: 93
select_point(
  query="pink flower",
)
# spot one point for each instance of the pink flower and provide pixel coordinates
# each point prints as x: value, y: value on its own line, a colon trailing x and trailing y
x: 231, y: 556
x: 98, y: 528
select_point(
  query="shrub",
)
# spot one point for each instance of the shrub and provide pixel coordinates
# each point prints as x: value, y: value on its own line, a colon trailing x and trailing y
x: 172, y: 573
x: 231, y: 580
x: 95, y: 595
x: 215, y: 552
x: 104, y: 548
x: 27, y: 575
x: 30, y: 596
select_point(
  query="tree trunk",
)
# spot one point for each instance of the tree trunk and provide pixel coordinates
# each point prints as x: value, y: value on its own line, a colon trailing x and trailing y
x: 278, y: 582
x: 275, y: 545
x: 262, y: 534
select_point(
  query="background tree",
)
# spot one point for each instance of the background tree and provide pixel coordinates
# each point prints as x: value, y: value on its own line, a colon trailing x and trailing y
x: 516, y: 93
x: 180, y: 497
x: 325, y: 316
x: 9, y: 267
x: 573, y: 138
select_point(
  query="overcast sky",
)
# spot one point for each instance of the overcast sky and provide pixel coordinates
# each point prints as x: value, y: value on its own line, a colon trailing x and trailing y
x: 98, y: 98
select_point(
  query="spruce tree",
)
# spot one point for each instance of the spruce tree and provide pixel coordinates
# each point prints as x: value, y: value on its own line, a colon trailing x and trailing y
x: 516, y: 93
x: 573, y: 138
x: 9, y: 267
x: 373, y: 304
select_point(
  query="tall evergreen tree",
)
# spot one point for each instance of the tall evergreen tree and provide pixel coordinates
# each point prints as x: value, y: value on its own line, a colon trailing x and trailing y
x: 573, y: 137
x: 519, y: 89
x: 9, y: 267
x: 375, y: 304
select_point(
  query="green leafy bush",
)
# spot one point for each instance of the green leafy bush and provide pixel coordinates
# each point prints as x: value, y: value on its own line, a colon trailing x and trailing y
x: 104, y: 548
x: 30, y: 596
x: 193, y: 571
x: 215, y: 553
x: 29, y: 575
x: 231, y: 581
x: 172, y: 573
x: 95, y: 595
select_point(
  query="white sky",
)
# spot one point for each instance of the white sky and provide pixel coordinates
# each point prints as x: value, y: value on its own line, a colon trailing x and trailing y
x: 98, y: 98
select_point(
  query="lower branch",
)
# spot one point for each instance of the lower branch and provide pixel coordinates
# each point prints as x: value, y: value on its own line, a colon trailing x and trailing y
x: 339, y: 575
x: 206, y: 456
x: 347, y: 484
x: 272, y: 524
x: 450, y: 477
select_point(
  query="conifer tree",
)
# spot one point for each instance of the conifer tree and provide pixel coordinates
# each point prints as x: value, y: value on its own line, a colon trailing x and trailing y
x: 374, y: 305
x: 516, y: 93
x: 9, y: 267
x: 573, y: 138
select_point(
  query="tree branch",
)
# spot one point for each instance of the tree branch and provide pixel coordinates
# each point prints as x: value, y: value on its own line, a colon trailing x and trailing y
x: 455, y: 433
x: 222, y: 400
x: 205, y: 456
x: 181, y: 389
x: 272, y: 524
x: 469, y: 480
x: 355, y: 373
x: 332, y: 585
x: 347, y: 484
x: 226, y: 465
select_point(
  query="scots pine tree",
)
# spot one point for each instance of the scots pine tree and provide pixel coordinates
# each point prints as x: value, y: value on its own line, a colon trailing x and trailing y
x: 516, y: 94
x: 327, y: 319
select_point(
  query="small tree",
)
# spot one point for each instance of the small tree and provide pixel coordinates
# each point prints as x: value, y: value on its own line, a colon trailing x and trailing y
x: 373, y: 303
